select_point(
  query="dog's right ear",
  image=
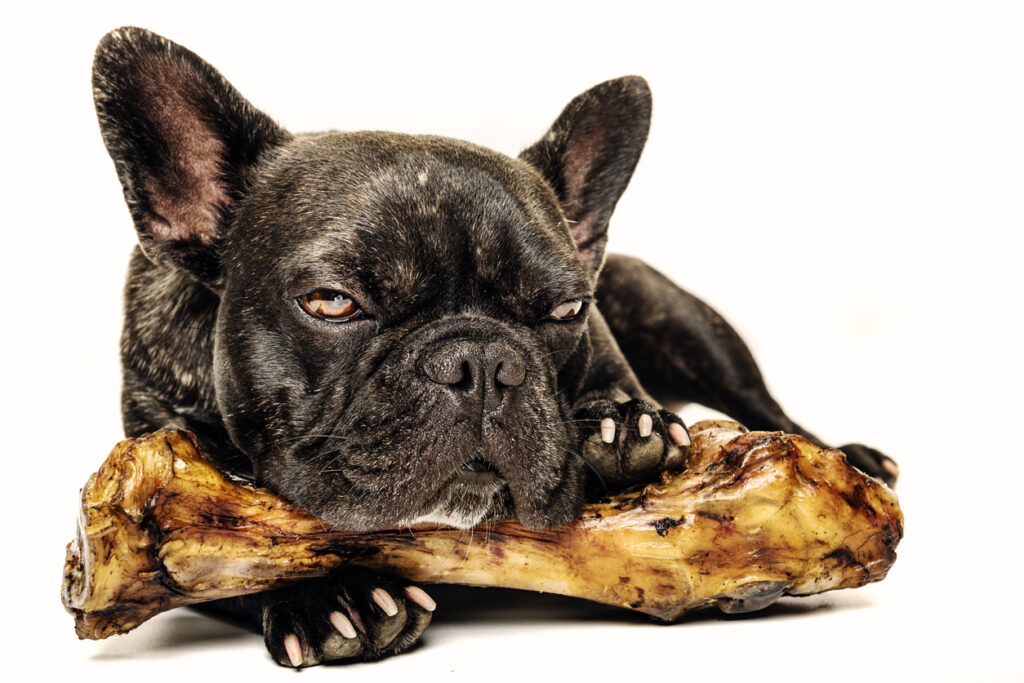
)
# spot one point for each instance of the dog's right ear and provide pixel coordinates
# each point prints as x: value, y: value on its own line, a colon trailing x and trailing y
x: 184, y: 143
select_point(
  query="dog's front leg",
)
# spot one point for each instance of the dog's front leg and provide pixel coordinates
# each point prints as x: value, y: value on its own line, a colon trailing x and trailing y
x: 626, y: 437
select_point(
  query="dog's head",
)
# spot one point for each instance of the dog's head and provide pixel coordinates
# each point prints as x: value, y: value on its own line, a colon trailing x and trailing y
x: 402, y: 320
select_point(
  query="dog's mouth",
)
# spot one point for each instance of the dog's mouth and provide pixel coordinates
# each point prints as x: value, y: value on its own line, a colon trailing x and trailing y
x: 476, y: 471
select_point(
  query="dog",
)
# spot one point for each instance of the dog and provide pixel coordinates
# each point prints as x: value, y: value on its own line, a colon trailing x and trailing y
x: 390, y: 329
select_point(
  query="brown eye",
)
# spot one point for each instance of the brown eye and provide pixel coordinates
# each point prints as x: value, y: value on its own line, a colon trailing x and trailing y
x: 567, y: 310
x: 329, y: 304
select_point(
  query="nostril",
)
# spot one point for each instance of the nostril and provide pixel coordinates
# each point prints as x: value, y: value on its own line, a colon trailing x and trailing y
x: 465, y: 380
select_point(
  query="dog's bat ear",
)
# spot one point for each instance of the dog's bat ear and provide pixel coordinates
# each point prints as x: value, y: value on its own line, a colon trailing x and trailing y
x: 588, y: 156
x: 183, y: 141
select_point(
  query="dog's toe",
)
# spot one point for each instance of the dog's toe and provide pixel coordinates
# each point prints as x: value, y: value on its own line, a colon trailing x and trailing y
x: 872, y: 462
x: 631, y: 442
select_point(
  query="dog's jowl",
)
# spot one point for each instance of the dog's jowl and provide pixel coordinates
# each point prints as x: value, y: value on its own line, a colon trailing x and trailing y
x: 389, y: 329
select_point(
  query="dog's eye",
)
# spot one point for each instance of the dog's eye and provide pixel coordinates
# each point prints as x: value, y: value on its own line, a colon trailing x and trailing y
x: 329, y: 304
x: 567, y: 310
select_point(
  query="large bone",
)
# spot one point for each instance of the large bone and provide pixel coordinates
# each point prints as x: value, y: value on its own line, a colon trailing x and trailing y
x: 755, y: 515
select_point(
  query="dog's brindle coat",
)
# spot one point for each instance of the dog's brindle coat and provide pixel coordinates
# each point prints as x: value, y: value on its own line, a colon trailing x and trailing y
x: 389, y: 328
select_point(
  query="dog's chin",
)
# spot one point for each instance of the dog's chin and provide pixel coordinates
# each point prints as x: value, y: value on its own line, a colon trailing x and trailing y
x: 465, y: 502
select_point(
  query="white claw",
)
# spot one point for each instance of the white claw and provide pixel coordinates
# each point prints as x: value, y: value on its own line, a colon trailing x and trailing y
x: 645, y: 424
x: 420, y: 597
x: 344, y: 626
x: 608, y: 430
x: 385, y: 601
x: 294, y: 649
x: 679, y: 434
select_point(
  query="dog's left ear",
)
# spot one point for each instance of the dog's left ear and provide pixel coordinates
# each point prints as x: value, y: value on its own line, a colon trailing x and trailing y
x: 588, y: 157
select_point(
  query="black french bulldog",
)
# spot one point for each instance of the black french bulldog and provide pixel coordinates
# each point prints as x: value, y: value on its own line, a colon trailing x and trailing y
x: 388, y: 329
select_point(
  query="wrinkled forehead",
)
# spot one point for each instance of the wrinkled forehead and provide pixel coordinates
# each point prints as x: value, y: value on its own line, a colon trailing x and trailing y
x: 401, y: 214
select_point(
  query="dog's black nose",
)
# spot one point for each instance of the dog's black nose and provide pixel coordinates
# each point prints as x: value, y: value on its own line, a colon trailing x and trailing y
x: 480, y: 372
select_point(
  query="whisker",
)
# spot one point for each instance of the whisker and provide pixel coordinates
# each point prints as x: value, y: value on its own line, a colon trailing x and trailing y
x: 337, y: 437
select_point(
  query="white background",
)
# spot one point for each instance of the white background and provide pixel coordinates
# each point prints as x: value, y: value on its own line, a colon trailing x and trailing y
x: 843, y: 182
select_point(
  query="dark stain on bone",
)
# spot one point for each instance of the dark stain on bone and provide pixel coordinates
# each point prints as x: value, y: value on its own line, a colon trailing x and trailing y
x: 858, y: 500
x: 662, y: 526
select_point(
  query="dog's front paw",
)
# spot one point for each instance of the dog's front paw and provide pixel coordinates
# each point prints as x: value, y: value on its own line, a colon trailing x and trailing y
x: 355, y: 614
x: 872, y: 462
x: 631, y: 442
